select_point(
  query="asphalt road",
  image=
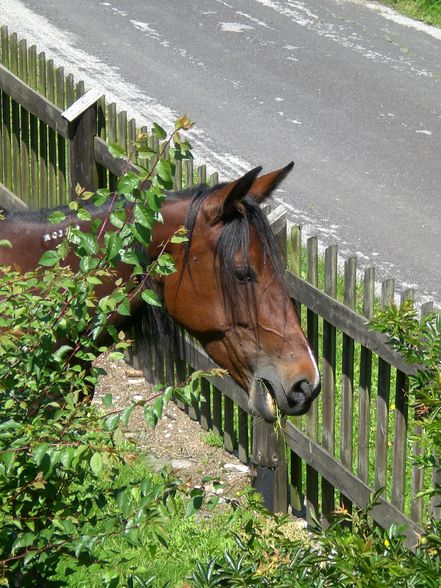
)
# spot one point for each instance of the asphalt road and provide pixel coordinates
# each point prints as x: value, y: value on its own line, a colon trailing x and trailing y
x: 347, y: 90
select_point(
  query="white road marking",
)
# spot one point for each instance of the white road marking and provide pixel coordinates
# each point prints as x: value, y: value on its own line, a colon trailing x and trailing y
x: 234, y: 27
x: 256, y: 21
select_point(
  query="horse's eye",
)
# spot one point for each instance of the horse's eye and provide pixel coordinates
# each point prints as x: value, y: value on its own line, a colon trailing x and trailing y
x: 245, y: 274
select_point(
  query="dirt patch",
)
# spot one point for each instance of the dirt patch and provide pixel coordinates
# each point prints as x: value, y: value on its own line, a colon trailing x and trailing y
x: 177, y: 441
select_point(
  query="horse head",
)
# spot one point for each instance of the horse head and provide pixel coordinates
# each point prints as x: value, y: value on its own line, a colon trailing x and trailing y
x: 229, y: 293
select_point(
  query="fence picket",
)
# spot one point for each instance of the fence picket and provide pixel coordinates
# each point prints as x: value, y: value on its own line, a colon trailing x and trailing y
x: 131, y: 138
x: 296, y: 472
x: 1, y: 136
x: 400, y: 432
x: 217, y: 412
x: 229, y: 436
x: 202, y: 174
x: 382, y: 403
x: 347, y: 394
x: 112, y: 137
x: 102, y: 172
x: 243, y: 436
x: 61, y: 141
x: 6, y: 117
x: 53, y: 199
x: 33, y: 131
x: 24, y: 126
x: 328, y: 388
x: 177, y: 178
x: 312, y: 326
x: 15, y: 122
x: 205, y: 405
x: 417, y: 483
x: 42, y: 134
x: 189, y: 174
x: 365, y: 382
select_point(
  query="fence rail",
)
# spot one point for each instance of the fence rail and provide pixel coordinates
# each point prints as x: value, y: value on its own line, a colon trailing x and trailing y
x: 358, y: 435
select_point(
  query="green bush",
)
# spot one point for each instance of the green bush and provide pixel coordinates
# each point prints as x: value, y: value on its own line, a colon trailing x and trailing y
x: 353, y: 552
x: 60, y: 458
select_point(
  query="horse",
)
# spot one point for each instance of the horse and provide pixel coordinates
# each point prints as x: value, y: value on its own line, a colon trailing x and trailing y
x: 228, y: 290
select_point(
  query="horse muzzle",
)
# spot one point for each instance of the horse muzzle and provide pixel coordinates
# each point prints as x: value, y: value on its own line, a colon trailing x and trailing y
x: 269, y: 396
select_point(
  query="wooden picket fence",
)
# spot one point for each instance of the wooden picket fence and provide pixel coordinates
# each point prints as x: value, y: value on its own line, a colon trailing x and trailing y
x: 358, y: 436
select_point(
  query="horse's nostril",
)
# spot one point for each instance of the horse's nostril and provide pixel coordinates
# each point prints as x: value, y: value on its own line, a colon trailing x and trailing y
x: 300, y: 391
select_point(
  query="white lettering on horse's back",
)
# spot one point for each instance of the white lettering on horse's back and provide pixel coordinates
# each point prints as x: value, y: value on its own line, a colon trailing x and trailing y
x: 54, y: 236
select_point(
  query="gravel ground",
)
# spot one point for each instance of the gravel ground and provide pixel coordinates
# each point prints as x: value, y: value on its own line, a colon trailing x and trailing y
x: 177, y: 441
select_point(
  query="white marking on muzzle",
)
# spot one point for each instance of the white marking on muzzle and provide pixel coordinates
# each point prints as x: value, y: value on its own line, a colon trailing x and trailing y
x: 317, y: 373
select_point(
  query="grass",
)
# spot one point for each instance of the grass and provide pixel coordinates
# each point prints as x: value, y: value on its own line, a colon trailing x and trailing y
x: 428, y: 11
x: 189, y: 540
x: 213, y: 439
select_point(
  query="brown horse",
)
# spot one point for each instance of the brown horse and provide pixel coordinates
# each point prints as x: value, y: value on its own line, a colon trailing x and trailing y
x: 228, y: 290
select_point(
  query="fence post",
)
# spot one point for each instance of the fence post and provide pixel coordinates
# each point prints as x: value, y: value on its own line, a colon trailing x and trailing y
x: 269, y: 464
x: 83, y: 119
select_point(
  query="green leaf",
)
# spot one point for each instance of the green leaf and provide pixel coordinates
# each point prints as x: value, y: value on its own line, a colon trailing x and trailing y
x: 5, y: 243
x: 118, y: 218
x: 61, y: 352
x: 145, y: 152
x: 127, y: 413
x: 124, y: 309
x: 150, y: 417
x: 56, y: 217
x: 158, y: 132
x: 101, y: 197
x: 107, y: 400
x: 155, y: 197
x: 87, y: 242
x: 179, y: 239
x: 158, y: 407
x: 39, y: 452
x: 116, y: 355
x: 166, y: 264
x: 113, y: 244
x: 127, y: 183
x: 143, y: 216
x: 142, y: 234
x: 83, y: 214
x: 134, y: 258
x: 96, y: 464
x: 112, y: 422
x: 93, y: 280
x: 88, y: 263
x: 150, y: 297
x: 49, y: 258
x: 116, y: 150
x: 165, y: 171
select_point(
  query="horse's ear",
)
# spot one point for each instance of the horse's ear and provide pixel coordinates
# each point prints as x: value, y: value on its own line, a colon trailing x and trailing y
x: 238, y: 190
x: 264, y: 185
x: 258, y: 188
